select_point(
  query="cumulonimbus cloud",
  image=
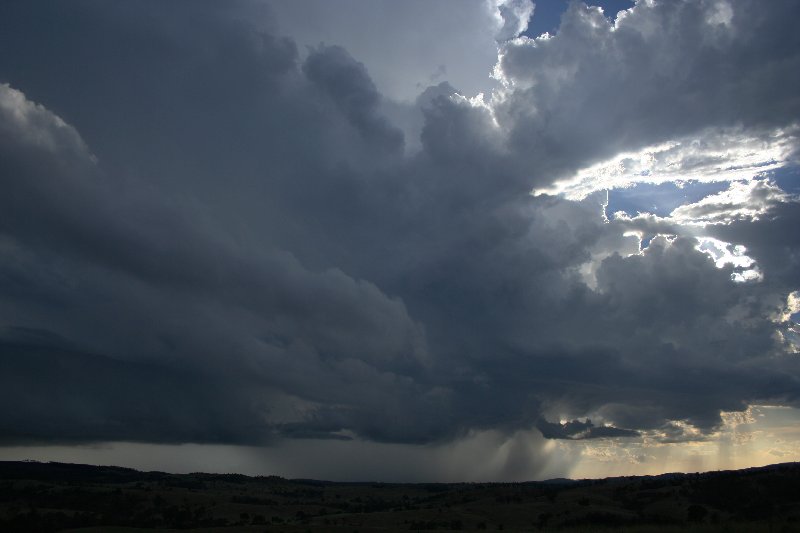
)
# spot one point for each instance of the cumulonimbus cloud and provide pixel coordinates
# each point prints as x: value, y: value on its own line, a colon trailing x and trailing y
x: 240, y: 247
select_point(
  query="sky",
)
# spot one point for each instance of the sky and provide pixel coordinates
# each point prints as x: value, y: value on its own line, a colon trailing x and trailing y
x: 445, y: 240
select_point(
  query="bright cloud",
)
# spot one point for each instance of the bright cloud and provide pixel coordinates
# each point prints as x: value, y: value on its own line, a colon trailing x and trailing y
x: 711, y: 157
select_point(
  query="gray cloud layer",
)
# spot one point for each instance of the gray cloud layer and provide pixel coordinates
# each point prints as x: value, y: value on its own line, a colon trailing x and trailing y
x: 209, y: 237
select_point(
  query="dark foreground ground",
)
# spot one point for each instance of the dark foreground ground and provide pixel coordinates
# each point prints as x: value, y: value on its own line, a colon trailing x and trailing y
x: 56, y: 497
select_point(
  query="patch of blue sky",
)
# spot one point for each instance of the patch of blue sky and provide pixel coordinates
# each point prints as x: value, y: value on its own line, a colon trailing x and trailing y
x: 645, y: 242
x: 547, y: 15
x: 660, y: 199
x: 787, y: 178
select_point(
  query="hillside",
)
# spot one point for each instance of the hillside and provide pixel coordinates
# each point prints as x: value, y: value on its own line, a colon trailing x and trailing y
x: 56, y: 496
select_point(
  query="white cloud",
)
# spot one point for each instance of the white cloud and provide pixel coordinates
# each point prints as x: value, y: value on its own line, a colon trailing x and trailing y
x: 512, y: 17
x: 710, y: 156
x: 725, y: 253
x: 743, y: 200
x: 31, y: 124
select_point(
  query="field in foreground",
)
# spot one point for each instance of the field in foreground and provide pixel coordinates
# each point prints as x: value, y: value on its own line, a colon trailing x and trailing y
x: 57, y: 497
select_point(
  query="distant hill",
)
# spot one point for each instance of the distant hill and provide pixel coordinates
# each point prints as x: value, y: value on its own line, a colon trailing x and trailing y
x: 46, y: 497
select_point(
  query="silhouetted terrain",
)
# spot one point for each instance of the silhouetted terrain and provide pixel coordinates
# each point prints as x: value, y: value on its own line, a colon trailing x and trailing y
x: 56, y: 496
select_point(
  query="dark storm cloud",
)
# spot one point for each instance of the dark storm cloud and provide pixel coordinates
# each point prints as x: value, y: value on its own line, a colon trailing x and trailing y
x: 203, y: 204
x: 144, y: 284
x: 351, y: 89
x: 99, y: 398
x: 577, y: 430
x: 773, y: 239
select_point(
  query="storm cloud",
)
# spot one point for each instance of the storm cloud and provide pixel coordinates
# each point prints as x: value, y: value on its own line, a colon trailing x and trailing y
x: 211, y: 234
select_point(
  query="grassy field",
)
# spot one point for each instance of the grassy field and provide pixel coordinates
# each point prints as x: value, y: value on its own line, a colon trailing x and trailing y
x: 62, y: 497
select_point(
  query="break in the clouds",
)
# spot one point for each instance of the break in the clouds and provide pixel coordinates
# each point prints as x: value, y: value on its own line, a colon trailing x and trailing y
x: 242, y: 224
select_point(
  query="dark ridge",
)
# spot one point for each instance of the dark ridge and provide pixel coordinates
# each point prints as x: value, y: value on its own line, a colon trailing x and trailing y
x: 58, y: 496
